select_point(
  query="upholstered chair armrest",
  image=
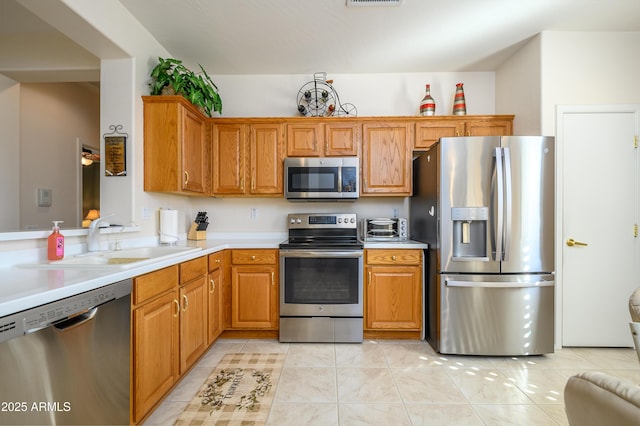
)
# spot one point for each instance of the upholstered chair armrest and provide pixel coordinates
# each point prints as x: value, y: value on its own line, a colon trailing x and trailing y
x: 634, y: 305
x: 593, y: 398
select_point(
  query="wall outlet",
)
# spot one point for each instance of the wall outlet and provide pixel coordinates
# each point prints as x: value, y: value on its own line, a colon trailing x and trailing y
x: 254, y: 213
x: 396, y: 212
x: 146, y: 213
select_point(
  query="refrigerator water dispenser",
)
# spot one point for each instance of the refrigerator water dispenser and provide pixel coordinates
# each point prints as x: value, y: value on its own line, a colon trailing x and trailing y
x: 470, y: 233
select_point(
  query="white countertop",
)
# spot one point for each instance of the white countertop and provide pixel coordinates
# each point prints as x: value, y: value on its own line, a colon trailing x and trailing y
x: 23, y: 288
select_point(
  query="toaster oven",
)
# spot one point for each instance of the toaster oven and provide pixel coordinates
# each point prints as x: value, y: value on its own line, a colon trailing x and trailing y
x: 384, y: 229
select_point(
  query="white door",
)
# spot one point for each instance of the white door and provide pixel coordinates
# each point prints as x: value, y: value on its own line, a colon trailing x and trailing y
x: 598, y: 196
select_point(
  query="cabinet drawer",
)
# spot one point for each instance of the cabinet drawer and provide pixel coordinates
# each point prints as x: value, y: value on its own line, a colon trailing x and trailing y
x: 254, y: 257
x: 394, y: 257
x: 154, y: 283
x: 216, y: 260
x: 192, y: 269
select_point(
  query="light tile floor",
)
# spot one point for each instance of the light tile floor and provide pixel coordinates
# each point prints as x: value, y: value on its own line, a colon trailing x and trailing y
x: 407, y: 383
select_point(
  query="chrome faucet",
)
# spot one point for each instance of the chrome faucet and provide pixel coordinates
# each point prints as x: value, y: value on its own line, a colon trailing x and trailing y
x: 93, y: 239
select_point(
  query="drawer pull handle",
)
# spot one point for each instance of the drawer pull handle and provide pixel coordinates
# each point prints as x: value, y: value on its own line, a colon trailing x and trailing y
x: 185, y: 305
x: 177, y: 308
x: 253, y: 257
x: 393, y: 257
x: 213, y: 285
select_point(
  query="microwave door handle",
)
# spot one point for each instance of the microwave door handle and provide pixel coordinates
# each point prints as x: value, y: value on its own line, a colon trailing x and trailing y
x: 339, y: 179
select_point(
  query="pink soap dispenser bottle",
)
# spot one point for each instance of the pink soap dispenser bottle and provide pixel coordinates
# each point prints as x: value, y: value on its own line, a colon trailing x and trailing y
x: 55, y: 243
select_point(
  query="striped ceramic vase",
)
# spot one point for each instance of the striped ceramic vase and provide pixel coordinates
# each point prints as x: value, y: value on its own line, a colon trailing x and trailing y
x: 459, y: 105
x: 428, y: 105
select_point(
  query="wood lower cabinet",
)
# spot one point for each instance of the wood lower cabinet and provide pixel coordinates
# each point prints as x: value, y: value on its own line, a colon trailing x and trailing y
x: 155, y: 358
x: 169, y: 314
x: 430, y: 129
x: 393, y: 290
x: 254, y: 289
x: 215, y: 320
x: 386, y: 158
x: 176, y: 147
x: 193, y: 311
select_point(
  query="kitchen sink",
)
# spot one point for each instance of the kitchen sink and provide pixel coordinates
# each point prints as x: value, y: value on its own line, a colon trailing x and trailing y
x: 116, y: 259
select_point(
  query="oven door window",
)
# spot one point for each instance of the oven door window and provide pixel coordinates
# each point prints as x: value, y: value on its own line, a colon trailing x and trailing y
x: 324, y: 281
x: 313, y: 179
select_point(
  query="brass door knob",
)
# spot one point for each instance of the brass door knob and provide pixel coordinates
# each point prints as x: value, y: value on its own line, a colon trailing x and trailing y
x: 571, y: 242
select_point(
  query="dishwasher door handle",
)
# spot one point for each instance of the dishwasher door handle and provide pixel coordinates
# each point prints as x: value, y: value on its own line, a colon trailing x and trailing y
x: 77, y: 320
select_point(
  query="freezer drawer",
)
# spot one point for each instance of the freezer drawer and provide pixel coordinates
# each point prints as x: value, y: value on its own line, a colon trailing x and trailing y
x: 496, y: 315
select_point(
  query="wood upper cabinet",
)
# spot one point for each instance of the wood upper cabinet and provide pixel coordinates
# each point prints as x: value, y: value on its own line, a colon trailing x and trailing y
x: 266, y: 168
x: 386, y: 157
x: 176, y: 147
x: 327, y: 138
x: 247, y: 158
x: 393, y: 290
x: 254, y: 289
x: 228, y: 155
x: 430, y: 129
x: 489, y: 126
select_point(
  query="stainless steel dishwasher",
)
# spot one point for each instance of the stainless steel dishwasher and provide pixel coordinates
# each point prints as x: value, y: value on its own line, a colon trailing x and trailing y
x: 67, y: 362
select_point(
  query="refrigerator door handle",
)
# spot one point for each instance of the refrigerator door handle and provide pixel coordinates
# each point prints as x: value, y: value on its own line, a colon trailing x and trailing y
x: 506, y: 233
x: 500, y: 207
x: 490, y: 284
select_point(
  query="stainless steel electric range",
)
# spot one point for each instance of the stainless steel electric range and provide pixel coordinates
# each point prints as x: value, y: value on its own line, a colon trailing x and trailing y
x: 321, y: 279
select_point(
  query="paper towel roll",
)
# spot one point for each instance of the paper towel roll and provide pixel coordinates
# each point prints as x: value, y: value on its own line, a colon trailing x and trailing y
x: 168, y: 226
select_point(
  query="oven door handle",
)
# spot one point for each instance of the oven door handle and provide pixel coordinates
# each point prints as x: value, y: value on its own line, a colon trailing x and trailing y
x: 318, y: 253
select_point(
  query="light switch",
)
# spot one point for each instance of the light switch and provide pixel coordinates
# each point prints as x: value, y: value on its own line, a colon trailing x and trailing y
x: 44, y: 197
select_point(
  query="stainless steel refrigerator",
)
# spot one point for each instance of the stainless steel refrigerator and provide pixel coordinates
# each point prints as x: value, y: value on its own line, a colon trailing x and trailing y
x: 485, y: 206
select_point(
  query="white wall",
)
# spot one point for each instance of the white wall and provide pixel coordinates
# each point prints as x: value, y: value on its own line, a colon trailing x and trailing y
x: 372, y: 94
x: 10, y: 149
x: 580, y: 68
x: 518, y: 83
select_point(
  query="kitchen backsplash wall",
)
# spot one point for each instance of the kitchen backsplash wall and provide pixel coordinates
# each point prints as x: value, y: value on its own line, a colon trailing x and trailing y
x: 269, y: 215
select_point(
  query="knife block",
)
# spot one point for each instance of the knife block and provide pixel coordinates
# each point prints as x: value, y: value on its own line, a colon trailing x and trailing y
x: 196, y: 235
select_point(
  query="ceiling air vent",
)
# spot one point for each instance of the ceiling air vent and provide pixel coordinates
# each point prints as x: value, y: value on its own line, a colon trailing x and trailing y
x: 354, y: 3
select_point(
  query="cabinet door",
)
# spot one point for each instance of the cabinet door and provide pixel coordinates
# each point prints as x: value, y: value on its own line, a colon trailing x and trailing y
x: 254, y: 297
x: 393, y: 298
x: 266, y: 168
x: 214, y: 308
x: 195, y: 154
x: 155, y: 351
x: 386, y: 162
x: 193, y: 322
x: 428, y: 132
x: 342, y: 138
x: 493, y: 127
x: 304, y: 140
x: 228, y: 152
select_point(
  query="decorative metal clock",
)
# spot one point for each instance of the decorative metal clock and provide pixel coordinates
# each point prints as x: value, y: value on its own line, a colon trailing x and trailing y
x: 318, y: 98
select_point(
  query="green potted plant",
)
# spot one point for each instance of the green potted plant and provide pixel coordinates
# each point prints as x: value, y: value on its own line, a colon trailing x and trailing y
x: 170, y: 76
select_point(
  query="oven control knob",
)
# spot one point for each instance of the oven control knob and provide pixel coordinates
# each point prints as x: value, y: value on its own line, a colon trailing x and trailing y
x: 352, y: 220
x: 339, y: 220
x: 298, y: 221
x: 293, y: 220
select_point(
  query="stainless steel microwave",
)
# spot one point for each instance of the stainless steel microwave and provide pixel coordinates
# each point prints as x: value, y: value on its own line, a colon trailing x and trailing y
x: 322, y: 178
